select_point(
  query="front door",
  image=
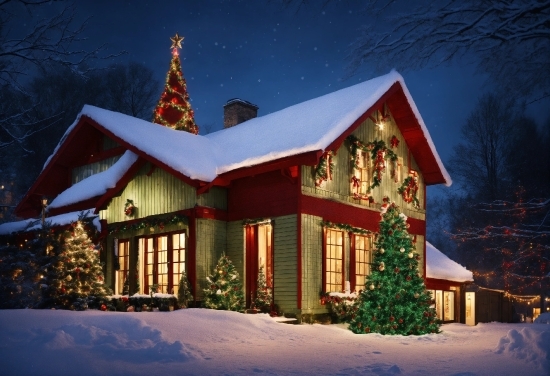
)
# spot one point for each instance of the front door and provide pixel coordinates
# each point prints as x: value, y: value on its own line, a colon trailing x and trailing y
x: 162, y: 262
x: 259, y: 255
x: 471, y: 308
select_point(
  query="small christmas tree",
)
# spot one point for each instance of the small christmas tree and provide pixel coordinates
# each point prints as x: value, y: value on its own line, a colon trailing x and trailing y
x: 263, y: 293
x: 225, y: 290
x: 184, y: 291
x: 395, y: 300
x: 74, y: 272
x: 173, y: 109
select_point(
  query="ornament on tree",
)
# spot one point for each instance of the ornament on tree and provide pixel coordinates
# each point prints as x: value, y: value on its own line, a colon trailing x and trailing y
x: 401, y: 304
x: 174, y: 109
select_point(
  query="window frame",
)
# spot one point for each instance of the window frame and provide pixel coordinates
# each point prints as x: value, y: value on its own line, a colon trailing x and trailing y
x: 353, y: 266
x: 121, y: 274
x: 326, y: 269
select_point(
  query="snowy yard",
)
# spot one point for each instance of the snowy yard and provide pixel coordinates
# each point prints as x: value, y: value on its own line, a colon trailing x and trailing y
x: 200, y: 341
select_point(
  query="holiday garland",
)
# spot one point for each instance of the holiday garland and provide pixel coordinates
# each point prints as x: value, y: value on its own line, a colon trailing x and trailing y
x: 150, y: 223
x: 323, y: 171
x: 347, y: 228
x: 409, y: 189
x: 378, y: 153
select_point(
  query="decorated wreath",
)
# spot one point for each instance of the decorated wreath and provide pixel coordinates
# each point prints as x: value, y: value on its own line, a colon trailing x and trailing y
x: 129, y: 208
x: 409, y: 189
x: 323, y: 172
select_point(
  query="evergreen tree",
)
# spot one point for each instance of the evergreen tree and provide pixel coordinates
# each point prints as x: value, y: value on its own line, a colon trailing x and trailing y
x: 184, y: 291
x: 264, y: 295
x: 74, y: 272
x: 225, y: 290
x: 395, y: 300
x: 173, y: 109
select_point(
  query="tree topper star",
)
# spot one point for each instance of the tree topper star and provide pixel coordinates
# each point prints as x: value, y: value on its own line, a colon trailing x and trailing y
x: 176, y: 41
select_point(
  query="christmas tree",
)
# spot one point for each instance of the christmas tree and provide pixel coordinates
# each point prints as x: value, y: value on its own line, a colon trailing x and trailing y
x: 173, y: 109
x: 74, y: 273
x: 224, y: 290
x: 184, y: 291
x: 395, y: 300
x: 263, y: 293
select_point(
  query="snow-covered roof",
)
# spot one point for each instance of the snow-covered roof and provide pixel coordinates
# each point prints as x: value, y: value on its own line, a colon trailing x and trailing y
x: 442, y: 267
x: 57, y: 220
x: 95, y: 185
x: 308, y: 126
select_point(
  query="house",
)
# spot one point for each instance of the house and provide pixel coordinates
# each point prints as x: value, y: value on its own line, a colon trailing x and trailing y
x: 297, y: 192
x: 447, y: 280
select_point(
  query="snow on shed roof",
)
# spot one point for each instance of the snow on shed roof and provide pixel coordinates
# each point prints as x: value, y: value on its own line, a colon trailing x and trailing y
x: 442, y: 267
x: 57, y: 220
x: 95, y: 185
x: 308, y: 126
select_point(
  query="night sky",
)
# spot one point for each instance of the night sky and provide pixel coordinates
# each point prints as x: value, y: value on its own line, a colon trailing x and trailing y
x: 271, y: 56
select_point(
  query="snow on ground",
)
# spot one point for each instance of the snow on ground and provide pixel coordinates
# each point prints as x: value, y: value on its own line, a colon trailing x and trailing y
x: 208, y: 342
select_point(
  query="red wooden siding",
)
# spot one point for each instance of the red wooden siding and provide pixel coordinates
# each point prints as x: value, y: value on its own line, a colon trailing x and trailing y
x: 266, y: 195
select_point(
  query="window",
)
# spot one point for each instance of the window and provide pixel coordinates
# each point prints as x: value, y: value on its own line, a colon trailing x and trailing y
x: 360, y: 181
x: 122, y: 256
x: 163, y: 262
x: 361, y: 259
x: 333, y: 260
x: 444, y: 304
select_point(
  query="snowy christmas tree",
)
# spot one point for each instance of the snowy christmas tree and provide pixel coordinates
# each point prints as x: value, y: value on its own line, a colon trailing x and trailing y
x: 173, y: 109
x: 395, y: 300
x: 184, y: 291
x: 225, y: 290
x: 263, y: 292
x: 74, y: 273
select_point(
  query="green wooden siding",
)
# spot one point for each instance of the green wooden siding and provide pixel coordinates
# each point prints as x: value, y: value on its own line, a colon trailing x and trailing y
x: 235, y: 245
x: 420, y: 249
x: 285, y: 249
x: 109, y: 143
x: 159, y: 193
x: 312, y: 264
x: 339, y: 188
x: 82, y: 172
x: 211, y: 236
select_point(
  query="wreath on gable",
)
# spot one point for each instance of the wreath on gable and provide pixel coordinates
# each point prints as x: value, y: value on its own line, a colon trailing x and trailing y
x: 129, y: 208
x: 409, y: 189
x: 323, y: 171
x: 379, y: 152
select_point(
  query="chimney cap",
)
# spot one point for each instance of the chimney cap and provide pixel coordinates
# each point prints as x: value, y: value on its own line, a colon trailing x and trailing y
x: 242, y: 101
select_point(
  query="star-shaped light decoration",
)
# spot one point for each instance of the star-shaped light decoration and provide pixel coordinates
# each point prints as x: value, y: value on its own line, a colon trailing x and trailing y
x: 176, y: 41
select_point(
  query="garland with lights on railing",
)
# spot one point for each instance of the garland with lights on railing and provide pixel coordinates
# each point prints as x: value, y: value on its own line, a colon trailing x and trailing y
x: 347, y: 228
x: 409, y: 189
x: 323, y: 171
x: 379, y: 152
x: 150, y: 223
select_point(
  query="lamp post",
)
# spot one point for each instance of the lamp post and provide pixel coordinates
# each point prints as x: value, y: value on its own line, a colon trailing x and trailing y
x: 44, y: 205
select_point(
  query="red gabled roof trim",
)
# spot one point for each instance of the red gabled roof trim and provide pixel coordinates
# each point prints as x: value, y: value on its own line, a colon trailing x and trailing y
x: 192, y: 182
x: 335, y: 145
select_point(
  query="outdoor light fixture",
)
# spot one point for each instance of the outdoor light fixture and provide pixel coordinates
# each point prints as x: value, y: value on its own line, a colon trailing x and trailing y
x: 44, y: 205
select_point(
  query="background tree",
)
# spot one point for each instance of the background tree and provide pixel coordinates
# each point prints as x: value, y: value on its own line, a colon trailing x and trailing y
x: 264, y: 294
x: 479, y: 160
x: 507, y: 39
x: 184, y: 291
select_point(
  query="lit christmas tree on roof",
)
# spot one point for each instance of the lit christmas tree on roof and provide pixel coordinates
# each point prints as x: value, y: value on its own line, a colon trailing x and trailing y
x: 173, y: 109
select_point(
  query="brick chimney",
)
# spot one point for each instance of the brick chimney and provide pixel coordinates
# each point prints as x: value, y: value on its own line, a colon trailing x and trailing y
x: 236, y: 111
